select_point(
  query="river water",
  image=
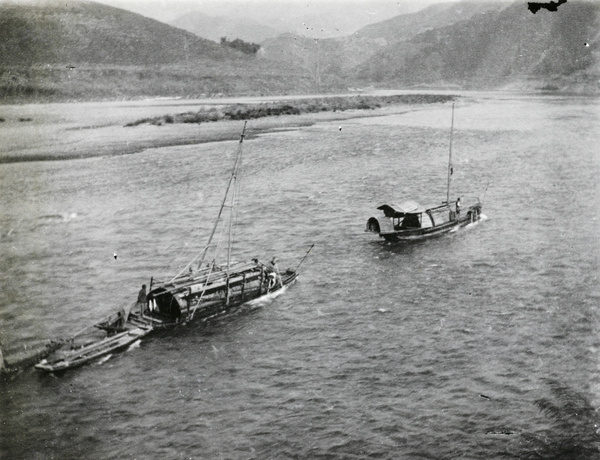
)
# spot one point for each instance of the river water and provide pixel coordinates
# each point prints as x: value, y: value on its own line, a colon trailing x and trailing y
x: 479, y: 344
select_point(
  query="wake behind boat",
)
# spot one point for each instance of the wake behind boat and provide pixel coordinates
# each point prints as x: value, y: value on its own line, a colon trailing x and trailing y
x: 409, y: 221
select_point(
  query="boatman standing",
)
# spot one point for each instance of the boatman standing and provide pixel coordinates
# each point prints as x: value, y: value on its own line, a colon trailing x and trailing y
x: 274, y: 276
x: 458, y: 207
x: 142, y: 300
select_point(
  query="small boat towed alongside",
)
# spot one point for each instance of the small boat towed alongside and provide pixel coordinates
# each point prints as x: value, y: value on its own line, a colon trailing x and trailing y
x: 409, y: 221
x: 74, y: 356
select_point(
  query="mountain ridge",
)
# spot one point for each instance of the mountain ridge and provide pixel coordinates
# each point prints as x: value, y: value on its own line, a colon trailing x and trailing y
x: 502, y: 45
x: 81, y: 31
x: 84, y: 50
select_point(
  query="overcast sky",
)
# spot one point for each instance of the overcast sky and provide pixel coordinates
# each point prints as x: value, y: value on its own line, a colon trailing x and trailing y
x: 311, y: 18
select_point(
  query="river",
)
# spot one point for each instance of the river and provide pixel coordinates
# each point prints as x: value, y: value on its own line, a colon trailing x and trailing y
x: 479, y: 344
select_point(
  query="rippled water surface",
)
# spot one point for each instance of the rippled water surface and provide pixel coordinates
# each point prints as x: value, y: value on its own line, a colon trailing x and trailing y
x: 480, y: 344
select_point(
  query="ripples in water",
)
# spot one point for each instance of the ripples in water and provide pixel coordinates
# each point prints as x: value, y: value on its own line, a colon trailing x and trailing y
x: 478, y: 344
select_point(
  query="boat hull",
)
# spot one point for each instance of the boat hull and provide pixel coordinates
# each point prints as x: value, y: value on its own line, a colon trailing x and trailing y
x: 417, y: 234
x: 208, y: 308
x: 62, y: 360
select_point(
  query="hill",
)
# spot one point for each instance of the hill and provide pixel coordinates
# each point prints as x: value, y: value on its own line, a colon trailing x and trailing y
x: 86, y: 32
x: 313, y: 19
x: 215, y: 27
x: 82, y: 50
x: 472, y: 45
x: 75, y: 50
x: 407, y: 26
x: 335, y: 58
x: 496, y: 48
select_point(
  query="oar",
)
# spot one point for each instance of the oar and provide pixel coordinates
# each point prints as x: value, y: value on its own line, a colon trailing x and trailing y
x: 305, y: 256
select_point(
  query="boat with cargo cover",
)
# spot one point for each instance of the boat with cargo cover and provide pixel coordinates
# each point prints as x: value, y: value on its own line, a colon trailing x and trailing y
x: 203, y: 288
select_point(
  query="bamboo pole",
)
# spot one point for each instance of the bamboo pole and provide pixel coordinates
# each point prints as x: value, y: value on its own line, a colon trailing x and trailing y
x: 305, y: 256
x: 450, y: 171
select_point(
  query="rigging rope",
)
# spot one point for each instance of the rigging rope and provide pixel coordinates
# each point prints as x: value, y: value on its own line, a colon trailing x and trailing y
x: 231, y: 179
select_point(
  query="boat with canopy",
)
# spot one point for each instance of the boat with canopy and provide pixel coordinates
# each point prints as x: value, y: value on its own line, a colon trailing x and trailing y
x: 409, y: 221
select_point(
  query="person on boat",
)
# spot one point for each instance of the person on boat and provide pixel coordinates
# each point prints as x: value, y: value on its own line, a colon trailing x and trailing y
x: 142, y: 300
x: 120, y: 321
x: 273, y: 276
x: 458, y: 207
x: 122, y: 317
x: 265, y: 274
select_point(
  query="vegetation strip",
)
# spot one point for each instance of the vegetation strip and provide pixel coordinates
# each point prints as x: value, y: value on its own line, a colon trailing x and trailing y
x: 292, y: 107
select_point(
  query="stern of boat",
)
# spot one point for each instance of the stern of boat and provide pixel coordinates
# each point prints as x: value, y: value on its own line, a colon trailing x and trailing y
x: 379, y: 225
x: 373, y: 225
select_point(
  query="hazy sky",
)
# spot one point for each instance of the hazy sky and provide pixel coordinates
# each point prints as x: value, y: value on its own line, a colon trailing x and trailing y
x: 311, y: 18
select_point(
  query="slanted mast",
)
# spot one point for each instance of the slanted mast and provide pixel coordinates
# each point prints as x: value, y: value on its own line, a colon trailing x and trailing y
x: 450, y: 168
x: 234, y: 175
x: 209, y: 289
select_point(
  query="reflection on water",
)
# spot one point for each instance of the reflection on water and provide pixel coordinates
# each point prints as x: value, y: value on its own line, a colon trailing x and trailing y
x: 574, y: 425
x: 478, y: 344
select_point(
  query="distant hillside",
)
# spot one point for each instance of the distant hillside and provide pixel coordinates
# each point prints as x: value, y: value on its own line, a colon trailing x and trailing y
x: 407, y: 26
x: 316, y: 19
x: 466, y: 44
x: 335, y: 57
x: 81, y: 50
x: 494, y: 48
x: 85, y: 50
x: 86, y: 32
x: 213, y: 28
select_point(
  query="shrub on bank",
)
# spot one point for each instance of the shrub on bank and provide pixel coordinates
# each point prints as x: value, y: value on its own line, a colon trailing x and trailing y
x: 296, y: 107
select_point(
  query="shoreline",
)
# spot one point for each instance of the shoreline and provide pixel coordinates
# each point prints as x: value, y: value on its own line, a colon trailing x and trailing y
x: 84, y: 130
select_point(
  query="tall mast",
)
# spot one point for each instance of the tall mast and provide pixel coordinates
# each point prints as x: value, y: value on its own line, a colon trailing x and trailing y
x: 234, y: 175
x: 214, y: 229
x: 450, y: 171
